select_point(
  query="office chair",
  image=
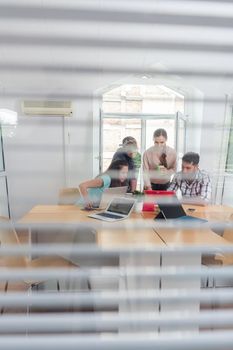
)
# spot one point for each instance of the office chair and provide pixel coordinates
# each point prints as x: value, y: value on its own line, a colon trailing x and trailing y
x: 8, y: 236
x: 68, y: 196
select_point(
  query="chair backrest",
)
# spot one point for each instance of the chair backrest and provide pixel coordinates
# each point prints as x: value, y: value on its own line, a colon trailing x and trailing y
x: 228, y: 232
x: 68, y: 196
x: 8, y: 236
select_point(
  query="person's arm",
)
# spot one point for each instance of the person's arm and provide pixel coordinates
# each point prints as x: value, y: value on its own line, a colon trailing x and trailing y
x: 132, y: 176
x: 173, y: 166
x: 133, y: 185
x: 83, y: 187
x: 174, y: 184
x: 146, y: 172
x: 137, y: 159
x: 206, y: 189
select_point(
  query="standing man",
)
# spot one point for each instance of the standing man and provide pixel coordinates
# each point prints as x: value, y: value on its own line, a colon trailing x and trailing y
x: 159, y: 163
x: 128, y: 152
x: 191, y: 181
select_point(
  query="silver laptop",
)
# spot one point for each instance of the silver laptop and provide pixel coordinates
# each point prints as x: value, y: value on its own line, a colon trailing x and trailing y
x: 109, y: 194
x: 118, y: 209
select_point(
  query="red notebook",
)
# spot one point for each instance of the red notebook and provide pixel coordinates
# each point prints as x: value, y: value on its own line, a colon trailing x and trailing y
x: 160, y: 193
x: 148, y: 207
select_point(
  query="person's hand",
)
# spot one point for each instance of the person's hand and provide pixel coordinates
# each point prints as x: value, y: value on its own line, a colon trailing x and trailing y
x: 162, y: 169
x: 88, y: 205
x: 148, y: 188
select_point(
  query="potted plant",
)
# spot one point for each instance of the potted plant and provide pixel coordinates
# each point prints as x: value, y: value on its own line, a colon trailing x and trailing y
x: 138, y: 194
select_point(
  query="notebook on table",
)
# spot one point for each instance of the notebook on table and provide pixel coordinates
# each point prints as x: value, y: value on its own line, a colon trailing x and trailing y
x: 152, y: 197
x: 118, y: 209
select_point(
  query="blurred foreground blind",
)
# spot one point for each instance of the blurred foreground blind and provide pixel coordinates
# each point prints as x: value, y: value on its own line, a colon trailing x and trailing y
x: 229, y: 162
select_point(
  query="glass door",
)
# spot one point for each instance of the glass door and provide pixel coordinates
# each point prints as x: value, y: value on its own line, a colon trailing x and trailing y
x: 115, y: 126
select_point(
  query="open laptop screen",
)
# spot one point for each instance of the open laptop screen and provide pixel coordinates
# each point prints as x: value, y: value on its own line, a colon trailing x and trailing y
x: 171, y: 208
x: 110, y: 193
x: 121, y: 206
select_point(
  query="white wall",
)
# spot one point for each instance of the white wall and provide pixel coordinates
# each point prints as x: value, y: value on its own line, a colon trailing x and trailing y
x: 80, y: 143
x: 35, y: 156
x: 34, y: 163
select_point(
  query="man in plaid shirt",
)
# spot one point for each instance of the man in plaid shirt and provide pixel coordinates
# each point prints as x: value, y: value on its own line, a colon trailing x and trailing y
x: 191, y: 181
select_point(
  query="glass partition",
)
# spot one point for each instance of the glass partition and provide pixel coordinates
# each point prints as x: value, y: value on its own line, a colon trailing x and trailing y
x: 2, y: 168
x: 4, y: 208
x: 4, y: 200
x: 229, y: 161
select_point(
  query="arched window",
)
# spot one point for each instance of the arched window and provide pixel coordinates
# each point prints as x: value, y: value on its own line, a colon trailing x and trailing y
x: 137, y: 110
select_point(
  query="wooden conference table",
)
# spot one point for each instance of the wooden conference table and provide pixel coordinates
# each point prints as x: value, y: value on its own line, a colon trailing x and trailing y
x: 140, y: 231
x: 106, y: 238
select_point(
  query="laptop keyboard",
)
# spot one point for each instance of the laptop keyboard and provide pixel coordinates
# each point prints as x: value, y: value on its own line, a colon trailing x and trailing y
x: 112, y: 216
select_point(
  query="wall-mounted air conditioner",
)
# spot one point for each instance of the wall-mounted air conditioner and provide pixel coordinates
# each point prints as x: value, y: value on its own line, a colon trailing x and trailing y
x: 49, y: 108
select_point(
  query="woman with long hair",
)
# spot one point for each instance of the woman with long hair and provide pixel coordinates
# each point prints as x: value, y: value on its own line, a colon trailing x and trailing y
x: 92, y: 190
x: 159, y: 163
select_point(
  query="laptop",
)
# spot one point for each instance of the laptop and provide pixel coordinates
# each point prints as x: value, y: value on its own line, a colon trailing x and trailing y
x: 109, y: 194
x: 118, y: 209
x: 172, y: 209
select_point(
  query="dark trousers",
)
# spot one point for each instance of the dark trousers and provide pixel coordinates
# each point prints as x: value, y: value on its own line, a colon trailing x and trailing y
x: 160, y: 187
